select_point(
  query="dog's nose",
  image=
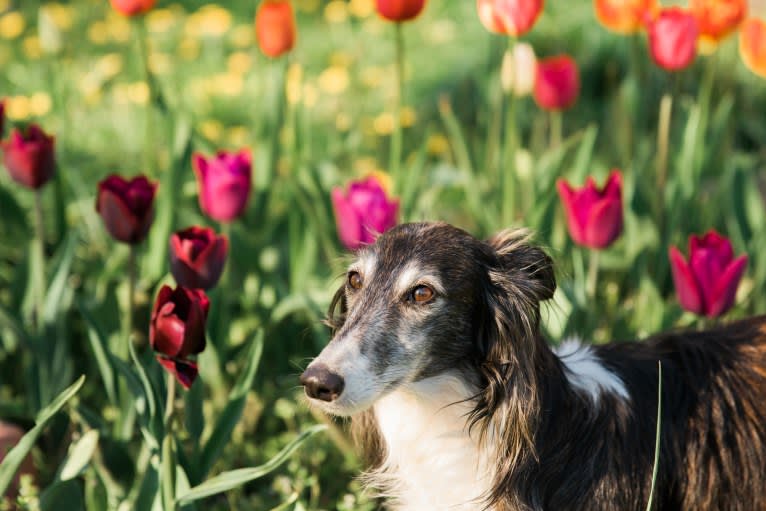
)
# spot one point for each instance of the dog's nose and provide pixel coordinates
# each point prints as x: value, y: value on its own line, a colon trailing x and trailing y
x: 321, y: 383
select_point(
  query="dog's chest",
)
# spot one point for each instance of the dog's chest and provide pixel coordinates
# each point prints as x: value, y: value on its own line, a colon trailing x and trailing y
x: 431, y: 461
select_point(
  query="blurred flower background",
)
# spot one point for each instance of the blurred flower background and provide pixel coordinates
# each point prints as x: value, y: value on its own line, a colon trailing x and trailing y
x: 271, y: 137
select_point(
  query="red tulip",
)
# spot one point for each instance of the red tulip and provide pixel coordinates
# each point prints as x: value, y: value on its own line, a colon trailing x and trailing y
x: 224, y: 183
x: 275, y: 27
x: 558, y: 82
x: 177, y: 330
x: 127, y: 207
x: 594, y: 216
x: 132, y: 7
x: 673, y: 38
x: 197, y: 256
x: 717, y: 19
x: 29, y: 157
x: 2, y: 117
x: 363, y: 211
x: 707, y: 283
x: 624, y: 16
x: 752, y: 45
x: 510, y: 17
x: 399, y: 10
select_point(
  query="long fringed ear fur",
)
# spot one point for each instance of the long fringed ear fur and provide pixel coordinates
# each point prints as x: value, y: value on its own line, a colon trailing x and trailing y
x: 519, y: 277
x: 336, y: 312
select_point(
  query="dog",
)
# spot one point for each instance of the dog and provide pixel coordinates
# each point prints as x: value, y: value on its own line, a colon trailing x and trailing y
x: 458, y: 402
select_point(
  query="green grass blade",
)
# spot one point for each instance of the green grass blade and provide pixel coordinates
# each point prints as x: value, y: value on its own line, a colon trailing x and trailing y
x: 657, y: 437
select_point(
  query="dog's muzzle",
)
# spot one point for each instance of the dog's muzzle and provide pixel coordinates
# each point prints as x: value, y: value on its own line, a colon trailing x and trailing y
x: 321, y: 383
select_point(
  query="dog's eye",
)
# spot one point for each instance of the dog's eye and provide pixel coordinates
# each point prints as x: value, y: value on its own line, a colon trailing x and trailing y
x: 422, y: 294
x: 355, y: 280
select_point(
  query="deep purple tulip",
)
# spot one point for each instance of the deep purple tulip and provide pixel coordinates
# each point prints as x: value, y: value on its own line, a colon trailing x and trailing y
x: 707, y: 283
x: 2, y: 117
x: 177, y: 330
x: 29, y: 156
x: 594, y: 216
x: 197, y: 257
x: 363, y: 211
x: 224, y: 183
x: 127, y: 207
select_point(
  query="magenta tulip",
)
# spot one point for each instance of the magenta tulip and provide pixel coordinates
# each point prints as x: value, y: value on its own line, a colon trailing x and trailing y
x: 594, y: 216
x: 673, y: 38
x: 557, y: 84
x: 127, y: 207
x: 707, y: 283
x: 29, y: 156
x: 177, y: 330
x: 224, y: 183
x: 363, y: 211
x: 197, y: 257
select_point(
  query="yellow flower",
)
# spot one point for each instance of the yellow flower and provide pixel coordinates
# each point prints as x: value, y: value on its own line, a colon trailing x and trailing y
x: 188, y: 48
x: 242, y: 36
x: 239, y: 62
x: 361, y: 8
x: 384, y: 124
x: 211, y: 129
x: 227, y: 84
x: 211, y: 20
x: 336, y: 11
x: 63, y: 15
x: 310, y: 95
x: 12, y: 25
x: 118, y: 27
x: 97, y: 33
x: 159, y: 21
x: 407, y: 116
x: 17, y: 107
x: 32, y: 48
x: 294, y: 83
x: 307, y: 6
x: 40, y: 103
x: 334, y: 80
x: 160, y: 63
x: 342, y: 122
x: 437, y: 144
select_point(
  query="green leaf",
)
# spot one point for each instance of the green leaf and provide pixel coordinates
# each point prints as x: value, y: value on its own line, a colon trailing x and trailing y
x: 234, y: 478
x: 168, y: 474
x: 79, y: 456
x: 98, y: 344
x: 63, y: 495
x: 59, y: 285
x: 657, y: 436
x: 15, y: 456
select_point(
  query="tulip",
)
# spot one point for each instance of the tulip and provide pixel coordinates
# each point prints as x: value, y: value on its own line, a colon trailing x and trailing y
x: 399, y: 10
x: 673, y: 38
x: 518, y: 71
x: 509, y: 17
x: 363, y: 211
x: 624, y: 16
x: 132, y: 7
x: 10, y: 436
x: 2, y: 117
x: 197, y: 256
x: 177, y: 330
x: 275, y: 27
x: 717, y: 19
x: 29, y: 157
x: 127, y: 207
x: 594, y: 216
x: 707, y: 283
x: 557, y: 83
x: 752, y: 45
x: 224, y: 183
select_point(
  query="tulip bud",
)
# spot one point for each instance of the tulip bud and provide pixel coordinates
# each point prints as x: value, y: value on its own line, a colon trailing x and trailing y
x: 275, y: 27
x: 126, y: 207
x: 132, y: 7
x: 362, y: 212
x: 716, y: 19
x: 197, y: 257
x: 29, y: 157
x: 224, y: 182
x: 594, y: 216
x: 177, y: 330
x: 706, y: 283
x: 557, y: 84
x: 399, y: 10
x: 752, y: 45
x: 673, y: 38
x: 624, y: 16
x: 509, y: 17
x: 518, y: 70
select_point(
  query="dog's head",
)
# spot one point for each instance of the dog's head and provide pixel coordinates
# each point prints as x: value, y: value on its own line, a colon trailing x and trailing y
x: 425, y: 299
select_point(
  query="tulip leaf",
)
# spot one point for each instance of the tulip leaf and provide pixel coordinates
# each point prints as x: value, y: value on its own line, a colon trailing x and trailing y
x: 98, y: 344
x: 584, y: 154
x: 168, y: 473
x: 59, y: 285
x: 16, y: 456
x: 80, y: 454
x: 232, y: 412
x: 235, y: 478
x: 63, y: 495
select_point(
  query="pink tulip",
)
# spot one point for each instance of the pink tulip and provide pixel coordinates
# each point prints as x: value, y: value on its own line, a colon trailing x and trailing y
x: 362, y: 211
x: 707, y: 283
x: 29, y: 156
x: 509, y: 17
x: 594, y: 217
x: 558, y: 83
x: 224, y: 183
x: 673, y: 38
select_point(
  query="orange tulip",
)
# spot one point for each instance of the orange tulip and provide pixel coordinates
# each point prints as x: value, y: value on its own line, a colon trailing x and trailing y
x: 510, y: 17
x: 624, y: 16
x: 132, y: 7
x: 717, y: 19
x: 752, y: 45
x: 275, y: 27
x: 673, y: 38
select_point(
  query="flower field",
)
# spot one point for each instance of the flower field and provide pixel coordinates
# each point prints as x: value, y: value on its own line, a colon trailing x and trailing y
x: 182, y: 182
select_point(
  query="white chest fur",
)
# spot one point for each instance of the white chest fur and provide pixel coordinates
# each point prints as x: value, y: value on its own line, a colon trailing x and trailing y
x: 431, y: 462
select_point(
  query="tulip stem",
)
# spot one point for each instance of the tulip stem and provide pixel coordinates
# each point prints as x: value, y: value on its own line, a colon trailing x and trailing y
x: 396, y: 135
x: 37, y: 321
x: 663, y: 135
x: 592, y: 281
x: 131, y: 289
x: 556, y: 128
x: 509, y: 164
x: 170, y: 400
x: 143, y: 51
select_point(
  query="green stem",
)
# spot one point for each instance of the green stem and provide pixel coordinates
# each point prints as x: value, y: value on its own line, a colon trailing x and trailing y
x: 37, y: 320
x: 556, y: 128
x: 396, y: 136
x: 170, y: 400
x: 131, y: 290
x: 509, y: 170
x: 143, y: 51
x: 593, y: 264
x: 663, y: 136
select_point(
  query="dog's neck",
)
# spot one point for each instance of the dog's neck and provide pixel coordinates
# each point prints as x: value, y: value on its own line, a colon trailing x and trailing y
x: 429, y: 459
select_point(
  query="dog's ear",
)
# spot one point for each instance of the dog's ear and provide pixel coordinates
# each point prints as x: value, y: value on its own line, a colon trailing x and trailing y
x: 336, y: 313
x: 527, y: 267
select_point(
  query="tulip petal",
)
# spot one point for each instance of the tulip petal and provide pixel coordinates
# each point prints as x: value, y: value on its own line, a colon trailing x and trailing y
x: 726, y: 287
x: 687, y: 289
x: 604, y: 223
x: 752, y: 45
x: 185, y: 371
x: 346, y: 220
